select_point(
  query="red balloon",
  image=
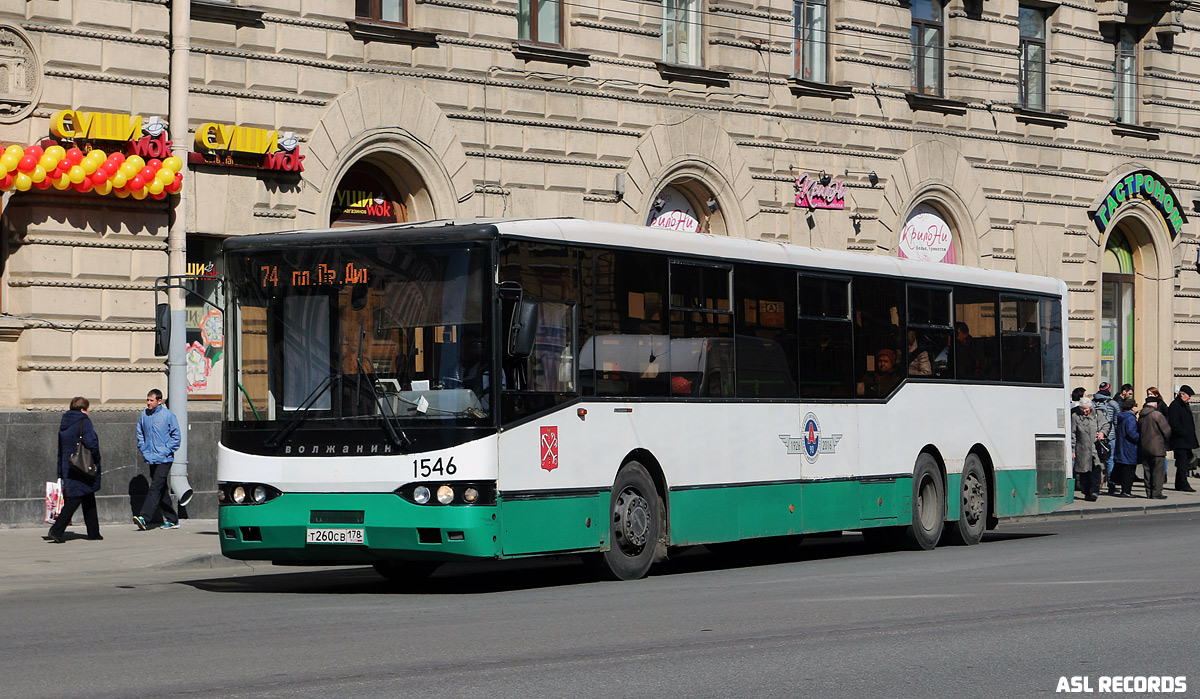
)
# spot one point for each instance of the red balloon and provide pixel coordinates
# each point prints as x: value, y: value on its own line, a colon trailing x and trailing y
x: 154, y: 163
x: 147, y: 173
x: 160, y: 195
x: 44, y: 184
x: 28, y: 163
x: 118, y: 158
x: 99, y: 177
x: 6, y: 182
x: 35, y: 151
x: 135, y: 183
x: 74, y: 156
x: 84, y: 187
x: 175, y: 186
x: 109, y: 168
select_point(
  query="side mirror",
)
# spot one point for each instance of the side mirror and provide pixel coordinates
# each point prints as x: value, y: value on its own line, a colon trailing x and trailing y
x: 162, y: 329
x: 523, y: 328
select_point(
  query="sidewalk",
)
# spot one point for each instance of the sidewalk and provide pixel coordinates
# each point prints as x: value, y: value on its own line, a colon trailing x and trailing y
x: 24, y: 553
x: 1108, y: 505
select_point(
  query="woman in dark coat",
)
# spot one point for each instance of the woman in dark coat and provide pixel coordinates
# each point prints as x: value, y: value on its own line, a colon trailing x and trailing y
x: 1183, y: 437
x: 74, y: 423
x: 1125, y: 447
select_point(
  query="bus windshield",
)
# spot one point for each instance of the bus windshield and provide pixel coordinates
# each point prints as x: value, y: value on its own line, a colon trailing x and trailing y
x: 355, y: 335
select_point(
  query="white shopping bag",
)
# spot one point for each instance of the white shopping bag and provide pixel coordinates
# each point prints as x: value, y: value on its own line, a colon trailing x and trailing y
x: 54, y: 500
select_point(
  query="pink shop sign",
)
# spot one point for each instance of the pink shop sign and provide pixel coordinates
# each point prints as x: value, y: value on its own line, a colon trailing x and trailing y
x: 927, y: 237
x: 811, y: 194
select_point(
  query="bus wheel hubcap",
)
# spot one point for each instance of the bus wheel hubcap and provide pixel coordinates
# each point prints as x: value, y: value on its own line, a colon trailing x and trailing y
x: 927, y: 498
x: 632, y: 518
x: 973, y: 500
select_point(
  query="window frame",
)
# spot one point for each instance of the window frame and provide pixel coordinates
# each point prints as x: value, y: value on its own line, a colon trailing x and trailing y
x: 1125, y: 80
x: 527, y: 19
x: 799, y: 42
x: 671, y: 52
x: 918, y: 54
x: 1026, y: 42
x: 376, y: 13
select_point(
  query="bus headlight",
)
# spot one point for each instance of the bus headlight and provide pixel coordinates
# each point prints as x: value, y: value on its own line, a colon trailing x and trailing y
x: 420, y: 495
x: 239, y: 495
x: 470, y: 495
x: 445, y: 494
x: 260, y: 494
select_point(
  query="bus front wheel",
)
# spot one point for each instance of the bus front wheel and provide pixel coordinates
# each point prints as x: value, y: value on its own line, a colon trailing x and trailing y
x: 635, y: 526
x: 972, y: 518
x: 928, y: 504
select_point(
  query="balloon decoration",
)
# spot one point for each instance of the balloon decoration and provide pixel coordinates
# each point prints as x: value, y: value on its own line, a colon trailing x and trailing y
x: 37, y: 168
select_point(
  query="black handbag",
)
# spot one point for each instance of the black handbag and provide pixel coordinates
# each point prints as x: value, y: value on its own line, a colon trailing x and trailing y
x: 1103, y: 451
x: 83, y: 466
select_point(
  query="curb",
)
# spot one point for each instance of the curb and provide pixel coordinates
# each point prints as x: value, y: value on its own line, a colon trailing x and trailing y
x: 1105, y: 512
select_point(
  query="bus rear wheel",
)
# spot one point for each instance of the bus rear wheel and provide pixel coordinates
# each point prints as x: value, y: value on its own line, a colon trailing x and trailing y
x: 973, y: 514
x: 928, y: 505
x: 635, y: 526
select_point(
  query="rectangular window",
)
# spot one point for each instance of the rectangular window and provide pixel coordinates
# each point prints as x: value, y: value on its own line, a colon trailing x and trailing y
x: 976, y: 355
x: 701, y: 350
x: 878, y: 312
x: 929, y: 331
x: 630, y: 328
x: 681, y: 32
x: 1020, y: 340
x: 927, y: 42
x: 1050, y: 312
x: 540, y: 21
x: 1126, y: 88
x: 825, y: 337
x: 811, y: 21
x: 766, y: 332
x: 1033, y: 58
x: 381, y: 10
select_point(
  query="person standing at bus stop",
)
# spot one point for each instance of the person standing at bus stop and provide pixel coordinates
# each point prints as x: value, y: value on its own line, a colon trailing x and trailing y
x: 158, y: 438
x: 1125, y: 447
x: 1085, y: 432
x: 1183, y: 437
x: 1155, y: 434
x: 1106, y: 408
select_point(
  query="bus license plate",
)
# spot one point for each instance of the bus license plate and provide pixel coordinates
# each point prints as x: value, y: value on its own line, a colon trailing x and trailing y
x: 335, y: 536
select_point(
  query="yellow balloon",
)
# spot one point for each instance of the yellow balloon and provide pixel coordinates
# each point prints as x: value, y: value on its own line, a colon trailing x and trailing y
x: 103, y: 188
x: 47, y: 162
x: 173, y: 163
x: 38, y: 174
x: 10, y: 160
x: 97, y: 155
x: 77, y: 174
x: 119, y: 179
x: 89, y: 166
x: 155, y: 187
x: 62, y: 182
x: 129, y: 170
x: 58, y: 152
x: 139, y: 193
x: 121, y: 193
x: 22, y: 182
x: 136, y: 161
x: 15, y: 150
x: 164, y: 176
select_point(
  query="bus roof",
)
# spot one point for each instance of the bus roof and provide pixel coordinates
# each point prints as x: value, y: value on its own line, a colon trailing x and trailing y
x: 629, y: 236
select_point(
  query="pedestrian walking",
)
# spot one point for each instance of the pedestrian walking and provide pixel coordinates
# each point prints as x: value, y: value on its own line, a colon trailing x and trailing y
x: 77, y: 427
x: 1106, y: 409
x: 1183, y: 437
x: 1125, y: 448
x: 1085, y: 432
x: 158, y: 438
x: 1155, y: 435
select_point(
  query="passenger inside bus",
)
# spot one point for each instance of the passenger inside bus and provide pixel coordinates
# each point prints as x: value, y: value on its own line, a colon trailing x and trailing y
x: 884, y: 379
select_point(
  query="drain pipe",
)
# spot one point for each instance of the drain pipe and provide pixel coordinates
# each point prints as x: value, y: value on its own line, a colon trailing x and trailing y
x: 177, y: 246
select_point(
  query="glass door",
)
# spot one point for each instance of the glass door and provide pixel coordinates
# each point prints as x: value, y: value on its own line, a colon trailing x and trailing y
x: 1116, y: 313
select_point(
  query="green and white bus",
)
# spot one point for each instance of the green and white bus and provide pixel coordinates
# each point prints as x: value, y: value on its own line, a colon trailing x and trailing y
x: 405, y: 395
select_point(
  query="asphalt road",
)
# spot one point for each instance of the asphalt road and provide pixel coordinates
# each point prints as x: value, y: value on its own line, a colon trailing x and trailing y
x: 1035, y: 602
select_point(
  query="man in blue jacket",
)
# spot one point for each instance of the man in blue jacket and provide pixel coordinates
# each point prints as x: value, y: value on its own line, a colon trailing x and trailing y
x: 158, y: 438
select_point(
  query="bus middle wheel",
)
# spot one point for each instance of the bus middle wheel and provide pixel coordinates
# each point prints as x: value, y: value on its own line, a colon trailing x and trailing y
x: 636, y: 526
x: 928, y: 504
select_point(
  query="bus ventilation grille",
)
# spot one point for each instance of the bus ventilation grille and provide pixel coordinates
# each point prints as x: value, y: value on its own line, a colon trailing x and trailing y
x: 1051, y: 468
x: 336, y: 517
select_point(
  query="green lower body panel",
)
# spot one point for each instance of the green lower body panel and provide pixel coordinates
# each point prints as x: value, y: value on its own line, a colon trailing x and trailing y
x: 555, y: 524
x: 394, y: 529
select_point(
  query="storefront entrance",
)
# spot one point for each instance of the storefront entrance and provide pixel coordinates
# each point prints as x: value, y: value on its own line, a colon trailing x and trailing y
x: 1116, y: 313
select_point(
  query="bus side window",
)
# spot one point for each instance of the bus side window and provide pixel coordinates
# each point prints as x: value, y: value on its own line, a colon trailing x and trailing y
x: 1020, y: 340
x: 878, y: 309
x: 929, y: 332
x: 825, y: 337
x: 628, y: 348
x: 976, y: 350
x: 1050, y: 315
x: 765, y: 340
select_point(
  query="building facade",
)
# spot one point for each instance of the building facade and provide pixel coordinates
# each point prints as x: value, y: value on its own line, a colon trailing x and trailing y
x: 1055, y: 138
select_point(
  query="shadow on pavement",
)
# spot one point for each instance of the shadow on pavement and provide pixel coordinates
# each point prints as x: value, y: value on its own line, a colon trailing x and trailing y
x: 483, y: 577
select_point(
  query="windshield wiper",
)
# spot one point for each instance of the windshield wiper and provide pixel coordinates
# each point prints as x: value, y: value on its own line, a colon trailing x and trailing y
x: 398, y: 437
x: 299, y: 416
